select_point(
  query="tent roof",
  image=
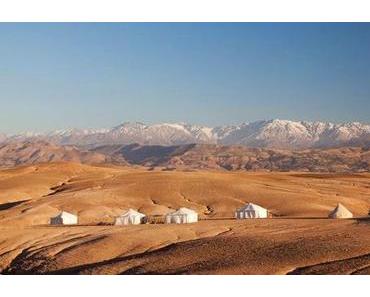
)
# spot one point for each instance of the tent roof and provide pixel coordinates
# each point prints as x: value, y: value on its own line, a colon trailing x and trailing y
x: 340, y: 211
x: 252, y: 206
x: 183, y: 210
x: 132, y: 212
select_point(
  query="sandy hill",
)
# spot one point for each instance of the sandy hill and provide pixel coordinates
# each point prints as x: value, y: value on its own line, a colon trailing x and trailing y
x: 308, y: 243
x: 98, y: 194
x: 217, y: 247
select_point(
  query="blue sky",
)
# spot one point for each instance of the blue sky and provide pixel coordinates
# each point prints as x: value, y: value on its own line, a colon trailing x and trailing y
x: 56, y: 76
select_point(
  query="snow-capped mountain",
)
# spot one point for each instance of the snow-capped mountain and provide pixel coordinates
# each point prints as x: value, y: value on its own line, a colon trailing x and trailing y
x: 161, y: 134
x: 290, y: 134
x: 273, y: 133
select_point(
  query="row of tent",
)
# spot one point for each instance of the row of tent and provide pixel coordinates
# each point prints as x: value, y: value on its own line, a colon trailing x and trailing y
x: 181, y: 216
x: 185, y: 215
x: 132, y: 217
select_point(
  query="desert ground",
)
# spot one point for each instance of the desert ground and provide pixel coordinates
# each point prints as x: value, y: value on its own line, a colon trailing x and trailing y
x: 299, y: 239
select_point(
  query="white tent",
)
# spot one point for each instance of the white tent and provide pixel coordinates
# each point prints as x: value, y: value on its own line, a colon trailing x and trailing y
x: 251, y: 211
x: 130, y: 217
x: 64, y: 218
x: 182, y: 216
x: 340, y: 212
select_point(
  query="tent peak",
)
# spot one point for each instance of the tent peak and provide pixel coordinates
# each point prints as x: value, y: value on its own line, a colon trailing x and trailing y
x: 340, y: 211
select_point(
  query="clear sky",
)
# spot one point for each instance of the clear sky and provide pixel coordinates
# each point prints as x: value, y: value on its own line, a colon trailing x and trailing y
x: 56, y: 76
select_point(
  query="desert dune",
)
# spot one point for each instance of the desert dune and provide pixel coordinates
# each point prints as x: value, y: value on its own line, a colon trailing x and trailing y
x: 298, y: 239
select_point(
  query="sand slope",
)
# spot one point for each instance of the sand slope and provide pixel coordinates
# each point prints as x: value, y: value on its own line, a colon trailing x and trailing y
x: 98, y: 194
x: 30, y: 195
x: 277, y: 246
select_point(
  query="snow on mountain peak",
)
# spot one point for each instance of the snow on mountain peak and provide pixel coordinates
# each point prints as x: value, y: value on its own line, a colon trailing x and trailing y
x: 266, y: 133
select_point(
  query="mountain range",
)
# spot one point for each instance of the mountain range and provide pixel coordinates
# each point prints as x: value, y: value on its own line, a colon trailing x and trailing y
x: 281, y: 134
x: 239, y: 157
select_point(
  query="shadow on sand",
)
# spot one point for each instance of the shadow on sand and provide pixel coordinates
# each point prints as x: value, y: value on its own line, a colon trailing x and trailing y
x: 9, y: 205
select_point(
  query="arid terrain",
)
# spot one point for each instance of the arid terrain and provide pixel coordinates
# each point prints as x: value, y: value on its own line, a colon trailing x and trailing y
x: 17, y: 153
x: 298, y: 239
x: 234, y: 158
x: 190, y: 157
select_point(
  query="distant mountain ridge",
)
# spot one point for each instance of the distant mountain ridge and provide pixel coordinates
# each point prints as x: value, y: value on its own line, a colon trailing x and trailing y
x: 190, y: 157
x: 239, y: 157
x: 17, y: 153
x: 276, y: 133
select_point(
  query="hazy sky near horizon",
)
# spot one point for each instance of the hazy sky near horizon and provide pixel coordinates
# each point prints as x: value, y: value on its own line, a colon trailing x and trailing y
x: 55, y: 76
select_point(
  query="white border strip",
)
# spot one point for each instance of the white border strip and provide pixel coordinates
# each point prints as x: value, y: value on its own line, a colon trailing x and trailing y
x: 184, y: 10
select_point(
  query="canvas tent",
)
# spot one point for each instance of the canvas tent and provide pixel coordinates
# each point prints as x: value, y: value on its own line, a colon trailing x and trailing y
x: 340, y: 212
x: 64, y: 218
x: 251, y: 211
x: 130, y: 217
x: 182, y: 216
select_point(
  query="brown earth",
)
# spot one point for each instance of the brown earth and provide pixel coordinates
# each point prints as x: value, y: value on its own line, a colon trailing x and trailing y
x: 242, y: 158
x: 191, y: 157
x: 16, y: 153
x: 299, y: 239
x: 275, y: 246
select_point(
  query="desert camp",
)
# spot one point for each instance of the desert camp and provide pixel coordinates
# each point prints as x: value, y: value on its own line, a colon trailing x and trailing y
x: 185, y: 215
x: 101, y: 195
x: 130, y: 217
